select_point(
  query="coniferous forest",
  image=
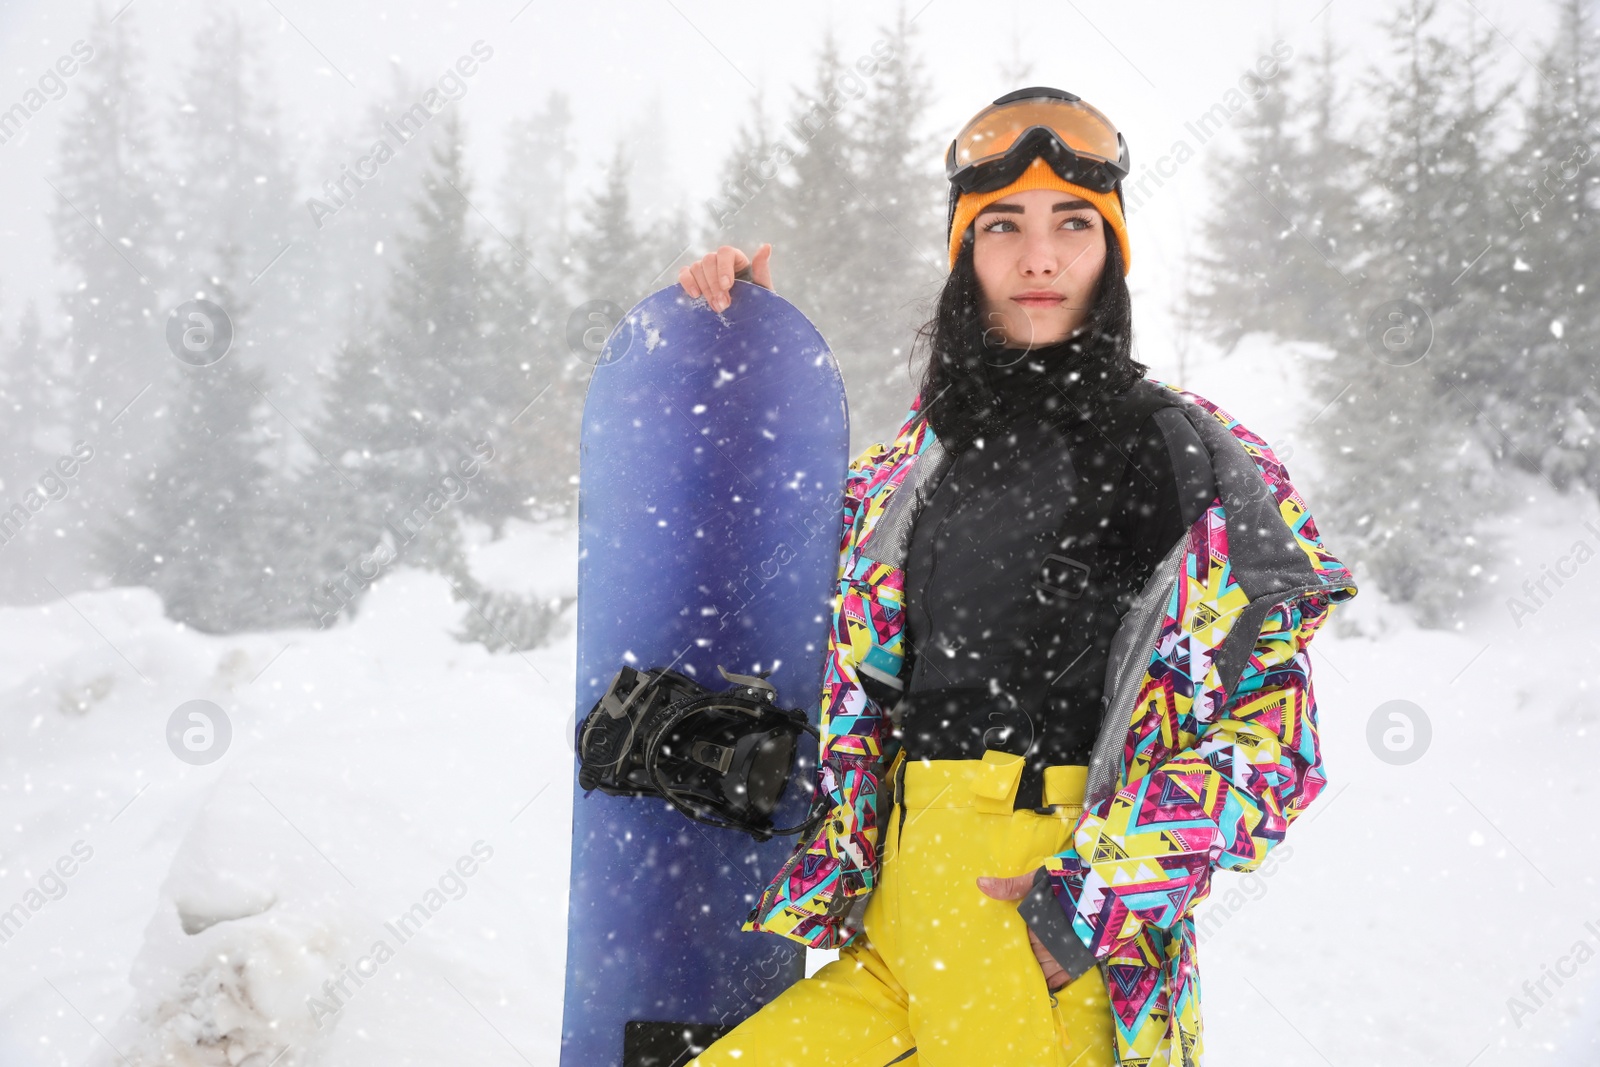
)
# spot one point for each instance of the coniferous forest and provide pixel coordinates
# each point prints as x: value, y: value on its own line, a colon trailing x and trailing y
x: 299, y: 306
x: 429, y: 321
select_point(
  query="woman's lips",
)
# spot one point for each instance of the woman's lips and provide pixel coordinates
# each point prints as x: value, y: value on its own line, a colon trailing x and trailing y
x: 1037, y: 301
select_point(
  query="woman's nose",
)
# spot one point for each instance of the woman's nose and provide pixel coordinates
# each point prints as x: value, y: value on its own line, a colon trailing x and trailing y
x: 1038, y: 257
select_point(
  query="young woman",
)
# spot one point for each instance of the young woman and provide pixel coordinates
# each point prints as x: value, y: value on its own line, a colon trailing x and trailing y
x: 1068, y: 676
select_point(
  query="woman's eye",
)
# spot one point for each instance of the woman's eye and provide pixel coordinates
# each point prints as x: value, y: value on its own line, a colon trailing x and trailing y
x: 1071, y: 222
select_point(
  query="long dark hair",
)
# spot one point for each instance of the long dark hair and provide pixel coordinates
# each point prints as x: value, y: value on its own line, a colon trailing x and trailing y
x: 956, y: 387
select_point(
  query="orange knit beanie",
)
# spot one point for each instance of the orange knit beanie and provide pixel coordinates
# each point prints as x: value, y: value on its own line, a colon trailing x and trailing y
x: 1039, y: 175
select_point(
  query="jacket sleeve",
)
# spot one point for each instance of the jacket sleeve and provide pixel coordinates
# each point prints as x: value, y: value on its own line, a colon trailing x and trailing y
x: 853, y: 724
x: 806, y: 900
x: 857, y: 482
x: 1143, y: 857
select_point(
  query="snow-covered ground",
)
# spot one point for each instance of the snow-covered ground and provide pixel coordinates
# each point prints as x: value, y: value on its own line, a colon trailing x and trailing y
x: 372, y: 766
x: 1418, y: 898
x: 233, y: 912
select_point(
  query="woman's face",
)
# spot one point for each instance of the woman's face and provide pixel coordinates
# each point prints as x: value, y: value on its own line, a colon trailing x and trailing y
x: 1038, y: 256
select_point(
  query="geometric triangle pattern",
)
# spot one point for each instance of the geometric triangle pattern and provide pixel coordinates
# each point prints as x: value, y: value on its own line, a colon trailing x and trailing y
x: 1208, y: 778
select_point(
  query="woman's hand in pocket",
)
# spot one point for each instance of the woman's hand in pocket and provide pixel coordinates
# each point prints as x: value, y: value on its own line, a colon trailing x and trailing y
x: 1015, y: 889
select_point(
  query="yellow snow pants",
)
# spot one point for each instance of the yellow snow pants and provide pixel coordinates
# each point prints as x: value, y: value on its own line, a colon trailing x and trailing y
x: 942, y: 975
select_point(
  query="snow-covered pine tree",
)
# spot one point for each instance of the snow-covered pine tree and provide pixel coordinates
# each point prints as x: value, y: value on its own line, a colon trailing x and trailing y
x: 237, y: 208
x: 901, y: 236
x: 1251, y: 272
x: 1333, y: 163
x: 617, y: 257
x: 1278, y: 242
x: 823, y: 212
x: 744, y: 212
x: 197, y: 534
x: 1549, y: 402
x: 341, y: 493
x: 529, y: 302
x: 110, y: 222
x: 535, y: 187
x: 611, y: 259
x: 848, y: 191
x: 341, y: 498
x: 343, y: 265
x: 203, y: 529
x: 538, y: 465
x: 34, y: 436
x: 1409, y: 481
x: 411, y: 396
x: 667, y: 247
x: 33, y: 430
x: 1477, y: 332
x: 448, y: 375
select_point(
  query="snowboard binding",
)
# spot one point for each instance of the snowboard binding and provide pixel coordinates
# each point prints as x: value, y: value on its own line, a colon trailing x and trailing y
x: 721, y: 758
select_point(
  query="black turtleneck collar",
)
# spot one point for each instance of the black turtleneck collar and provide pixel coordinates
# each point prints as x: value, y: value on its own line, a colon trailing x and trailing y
x: 1009, y: 388
x: 1044, y: 382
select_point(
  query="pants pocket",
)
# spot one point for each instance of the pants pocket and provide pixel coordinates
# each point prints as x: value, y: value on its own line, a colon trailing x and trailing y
x: 1084, y: 1021
x: 1036, y: 836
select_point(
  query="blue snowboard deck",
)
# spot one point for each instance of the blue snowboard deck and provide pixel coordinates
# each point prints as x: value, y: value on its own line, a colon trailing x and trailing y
x: 713, y: 454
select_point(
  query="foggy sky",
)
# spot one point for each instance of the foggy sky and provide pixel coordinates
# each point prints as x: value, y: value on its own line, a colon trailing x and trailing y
x: 677, y: 78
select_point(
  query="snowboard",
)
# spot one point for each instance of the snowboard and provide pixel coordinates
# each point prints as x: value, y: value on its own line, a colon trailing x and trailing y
x: 712, y: 462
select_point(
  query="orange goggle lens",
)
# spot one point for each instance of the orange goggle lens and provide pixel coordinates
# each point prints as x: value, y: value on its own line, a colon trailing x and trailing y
x: 993, y: 131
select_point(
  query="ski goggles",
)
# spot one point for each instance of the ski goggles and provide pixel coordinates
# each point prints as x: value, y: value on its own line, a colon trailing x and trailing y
x: 1078, y: 142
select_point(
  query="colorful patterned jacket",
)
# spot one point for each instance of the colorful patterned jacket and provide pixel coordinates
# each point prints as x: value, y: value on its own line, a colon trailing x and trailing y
x: 1207, y: 752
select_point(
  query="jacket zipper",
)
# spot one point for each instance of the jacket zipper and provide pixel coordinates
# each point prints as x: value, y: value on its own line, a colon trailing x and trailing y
x: 1105, y: 762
